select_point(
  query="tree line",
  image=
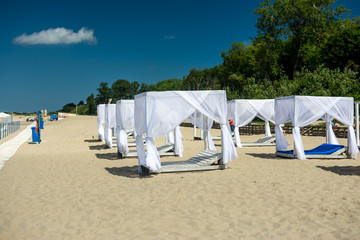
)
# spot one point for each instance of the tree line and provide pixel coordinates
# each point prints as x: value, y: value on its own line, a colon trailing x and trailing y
x: 302, y: 47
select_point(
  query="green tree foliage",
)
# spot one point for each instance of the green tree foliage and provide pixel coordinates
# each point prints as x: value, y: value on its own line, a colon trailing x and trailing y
x: 90, y: 100
x: 343, y: 49
x: 301, y: 22
x: 120, y: 90
x: 321, y: 82
x: 68, y: 107
x: 104, y: 94
x: 201, y: 79
x: 167, y: 85
x: 123, y: 89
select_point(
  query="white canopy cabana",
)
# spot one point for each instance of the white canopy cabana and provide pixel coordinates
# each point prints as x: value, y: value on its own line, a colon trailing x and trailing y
x: 5, y: 118
x: 101, y: 121
x: 243, y: 111
x: 110, y: 123
x: 124, y: 120
x: 157, y: 113
x: 304, y: 110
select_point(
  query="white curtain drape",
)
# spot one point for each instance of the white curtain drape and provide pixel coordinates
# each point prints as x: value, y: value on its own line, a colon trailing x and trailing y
x: 101, y: 121
x: 155, y: 115
x: 204, y: 123
x: 304, y: 110
x: 124, y: 121
x: 243, y: 111
x: 110, y: 122
x: 330, y: 135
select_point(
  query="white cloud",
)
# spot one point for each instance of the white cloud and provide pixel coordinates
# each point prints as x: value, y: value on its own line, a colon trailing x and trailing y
x: 169, y: 37
x: 57, y: 36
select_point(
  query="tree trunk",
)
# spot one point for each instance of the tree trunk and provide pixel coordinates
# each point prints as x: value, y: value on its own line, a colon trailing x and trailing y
x: 297, y: 59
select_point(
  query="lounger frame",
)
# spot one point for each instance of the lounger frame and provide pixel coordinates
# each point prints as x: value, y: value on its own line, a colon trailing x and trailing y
x: 339, y: 154
x: 167, y: 149
x: 262, y: 142
x: 205, y: 160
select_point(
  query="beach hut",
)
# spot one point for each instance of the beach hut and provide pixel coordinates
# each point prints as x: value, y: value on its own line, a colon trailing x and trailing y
x: 304, y: 110
x: 110, y: 123
x: 124, y: 124
x: 157, y: 113
x: 243, y: 111
x: 101, y: 121
x: 5, y: 118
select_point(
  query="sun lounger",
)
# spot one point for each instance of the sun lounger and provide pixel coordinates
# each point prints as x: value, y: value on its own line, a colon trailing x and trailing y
x: 323, y: 151
x: 167, y: 149
x: 262, y: 142
x: 130, y: 144
x: 219, y: 137
x: 205, y: 160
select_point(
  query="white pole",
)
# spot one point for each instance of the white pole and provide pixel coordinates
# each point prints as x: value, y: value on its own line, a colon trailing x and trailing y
x: 357, y: 121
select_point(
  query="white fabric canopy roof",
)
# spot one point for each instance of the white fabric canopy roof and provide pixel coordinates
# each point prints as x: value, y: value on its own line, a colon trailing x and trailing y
x: 157, y: 113
x: 5, y: 118
x: 304, y: 110
x: 243, y: 111
x: 110, y: 122
x: 101, y: 120
x: 124, y: 120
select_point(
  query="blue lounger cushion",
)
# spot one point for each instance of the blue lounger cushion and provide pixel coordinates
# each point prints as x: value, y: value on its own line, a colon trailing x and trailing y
x: 323, y: 149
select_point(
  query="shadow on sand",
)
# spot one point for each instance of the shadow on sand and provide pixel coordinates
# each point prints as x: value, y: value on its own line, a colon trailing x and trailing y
x: 108, y: 156
x: 343, y: 170
x: 98, y: 147
x: 92, y: 140
x: 129, y: 172
x: 268, y: 156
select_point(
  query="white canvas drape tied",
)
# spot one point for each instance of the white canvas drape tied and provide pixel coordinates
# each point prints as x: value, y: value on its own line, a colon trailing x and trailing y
x: 110, y: 123
x: 330, y: 134
x: 352, y: 146
x: 230, y: 153
x: 152, y: 155
x: 281, y: 143
x: 237, y: 137
x: 122, y: 142
x: 179, y: 148
x: 267, y: 129
x: 140, y: 151
x: 299, y: 148
x: 170, y: 138
x: 101, y: 121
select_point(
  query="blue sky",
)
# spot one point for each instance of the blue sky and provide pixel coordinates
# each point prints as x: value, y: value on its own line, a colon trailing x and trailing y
x: 107, y: 40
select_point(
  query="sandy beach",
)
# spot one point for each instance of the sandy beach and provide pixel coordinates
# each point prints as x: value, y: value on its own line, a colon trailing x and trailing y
x: 71, y: 187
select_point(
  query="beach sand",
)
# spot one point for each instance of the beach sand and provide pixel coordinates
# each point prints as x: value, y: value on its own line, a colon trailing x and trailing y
x: 71, y: 187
